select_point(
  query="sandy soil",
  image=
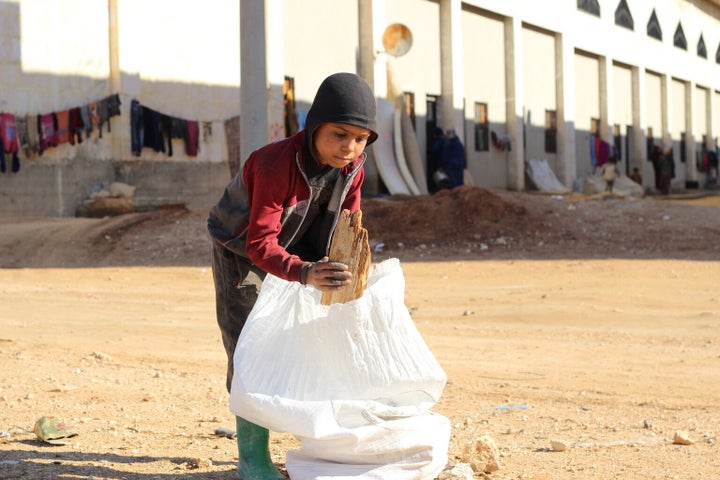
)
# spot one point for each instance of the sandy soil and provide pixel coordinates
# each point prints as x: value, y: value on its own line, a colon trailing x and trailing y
x: 591, y: 321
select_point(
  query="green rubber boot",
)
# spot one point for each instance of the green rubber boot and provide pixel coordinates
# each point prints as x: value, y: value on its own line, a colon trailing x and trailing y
x: 254, y: 457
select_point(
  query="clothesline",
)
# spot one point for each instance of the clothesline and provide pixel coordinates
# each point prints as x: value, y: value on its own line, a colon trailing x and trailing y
x: 33, y: 134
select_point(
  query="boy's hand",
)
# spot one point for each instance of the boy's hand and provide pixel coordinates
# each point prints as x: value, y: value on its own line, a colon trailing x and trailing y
x: 327, y: 276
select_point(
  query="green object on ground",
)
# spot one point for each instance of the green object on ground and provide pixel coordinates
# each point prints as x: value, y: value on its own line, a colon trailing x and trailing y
x: 254, y: 457
x: 53, y: 430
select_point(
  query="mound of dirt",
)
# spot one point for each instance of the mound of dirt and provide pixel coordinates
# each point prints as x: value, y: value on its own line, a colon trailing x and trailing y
x: 466, y: 222
x: 448, y: 217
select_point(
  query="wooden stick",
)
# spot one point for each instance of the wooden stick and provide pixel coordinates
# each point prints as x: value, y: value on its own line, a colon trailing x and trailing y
x: 350, y: 246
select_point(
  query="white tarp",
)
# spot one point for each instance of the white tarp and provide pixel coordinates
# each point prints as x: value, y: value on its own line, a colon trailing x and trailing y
x: 354, y: 382
x: 543, y: 177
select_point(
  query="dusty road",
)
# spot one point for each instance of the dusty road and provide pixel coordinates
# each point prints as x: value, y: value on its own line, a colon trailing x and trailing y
x: 609, y: 356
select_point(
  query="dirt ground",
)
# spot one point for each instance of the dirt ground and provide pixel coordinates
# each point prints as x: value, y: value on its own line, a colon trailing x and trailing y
x: 593, y: 321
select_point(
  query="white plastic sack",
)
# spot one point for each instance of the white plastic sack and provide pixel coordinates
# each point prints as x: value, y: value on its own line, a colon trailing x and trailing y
x: 354, y: 382
x: 623, y: 186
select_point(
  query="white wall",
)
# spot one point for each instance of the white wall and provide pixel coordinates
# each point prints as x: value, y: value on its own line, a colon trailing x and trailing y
x: 539, y: 91
x: 53, y: 59
x: 700, y: 122
x: 320, y: 39
x: 677, y: 128
x: 183, y: 61
x: 622, y: 111
x: 587, y: 104
x: 484, y: 82
x: 418, y: 71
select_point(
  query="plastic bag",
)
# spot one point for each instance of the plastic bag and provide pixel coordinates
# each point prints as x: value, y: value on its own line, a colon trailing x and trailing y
x: 354, y: 381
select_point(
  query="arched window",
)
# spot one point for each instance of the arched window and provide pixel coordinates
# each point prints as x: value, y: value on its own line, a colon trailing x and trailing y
x: 589, y: 6
x: 623, y: 17
x: 679, y: 37
x: 701, y: 50
x: 653, y: 27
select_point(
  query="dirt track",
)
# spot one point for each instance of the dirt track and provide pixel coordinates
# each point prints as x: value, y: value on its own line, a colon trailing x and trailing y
x: 610, y: 355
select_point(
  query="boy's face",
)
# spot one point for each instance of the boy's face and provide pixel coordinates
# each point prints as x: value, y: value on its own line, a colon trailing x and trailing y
x: 338, y: 144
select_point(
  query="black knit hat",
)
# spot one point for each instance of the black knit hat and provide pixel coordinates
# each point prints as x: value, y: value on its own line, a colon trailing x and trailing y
x: 343, y: 98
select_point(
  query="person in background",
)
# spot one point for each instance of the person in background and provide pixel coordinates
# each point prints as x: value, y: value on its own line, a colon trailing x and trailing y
x: 666, y: 171
x: 437, y: 179
x: 609, y: 172
x: 277, y: 216
x: 453, y: 159
x: 636, y: 176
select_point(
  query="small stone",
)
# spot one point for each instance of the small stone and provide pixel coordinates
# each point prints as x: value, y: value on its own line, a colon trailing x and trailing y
x: 682, y: 438
x: 103, y: 357
x: 200, y: 463
x: 558, y: 446
x: 461, y: 471
x: 482, y: 454
x: 225, y: 432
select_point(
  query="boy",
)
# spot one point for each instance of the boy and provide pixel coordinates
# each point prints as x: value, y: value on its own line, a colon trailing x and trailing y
x: 609, y: 172
x: 277, y: 216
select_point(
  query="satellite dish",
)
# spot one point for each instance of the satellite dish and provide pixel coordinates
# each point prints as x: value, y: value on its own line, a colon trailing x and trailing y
x: 397, y: 39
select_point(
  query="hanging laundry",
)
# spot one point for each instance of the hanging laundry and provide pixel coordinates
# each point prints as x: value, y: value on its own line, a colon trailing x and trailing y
x: 191, y: 139
x: 102, y: 106
x: 87, y: 124
x: 593, y: 151
x: 75, y: 126
x: 8, y: 131
x: 152, y: 125
x: 47, y: 128
x: 178, y: 129
x: 22, y: 134
x: 95, y: 117
x: 137, y: 127
x: 501, y: 142
x: 602, y: 151
x: 108, y: 107
x: 166, y: 122
x: 33, y: 134
x: 113, y: 106
x: 63, y: 126
x: 11, y: 146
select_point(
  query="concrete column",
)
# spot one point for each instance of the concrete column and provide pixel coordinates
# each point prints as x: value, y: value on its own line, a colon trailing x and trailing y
x: 366, y: 42
x: 452, y: 112
x: 691, y: 171
x: 565, y: 88
x: 666, y: 106
x: 372, y: 67
x: 253, y: 78
x: 712, y: 119
x: 514, y: 107
x: 606, y: 99
x: 639, y: 100
x: 372, y: 61
x: 121, y: 131
x: 275, y: 58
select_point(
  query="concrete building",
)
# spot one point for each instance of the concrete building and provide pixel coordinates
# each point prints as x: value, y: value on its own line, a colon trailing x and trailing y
x: 546, y: 77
